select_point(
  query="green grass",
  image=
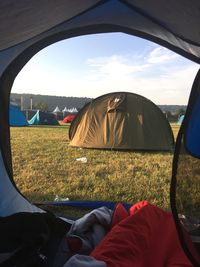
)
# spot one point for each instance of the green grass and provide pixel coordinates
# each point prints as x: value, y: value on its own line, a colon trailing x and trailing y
x: 45, y: 166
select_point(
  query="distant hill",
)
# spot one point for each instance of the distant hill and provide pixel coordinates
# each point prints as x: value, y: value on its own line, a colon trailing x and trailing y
x: 51, y: 102
x: 47, y: 101
x: 172, y: 108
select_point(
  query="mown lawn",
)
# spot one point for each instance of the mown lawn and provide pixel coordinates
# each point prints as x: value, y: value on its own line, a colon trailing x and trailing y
x: 45, y: 166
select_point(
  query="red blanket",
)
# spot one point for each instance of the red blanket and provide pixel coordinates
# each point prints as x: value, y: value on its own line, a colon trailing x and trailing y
x: 144, y: 237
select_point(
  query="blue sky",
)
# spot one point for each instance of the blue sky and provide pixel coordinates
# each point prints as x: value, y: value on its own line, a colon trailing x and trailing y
x: 92, y: 65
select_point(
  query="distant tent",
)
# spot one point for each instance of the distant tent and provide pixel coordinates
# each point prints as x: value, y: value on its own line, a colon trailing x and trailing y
x: 16, y: 116
x: 180, y: 120
x: 69, y: 118
x: 56, y: 110
x: 65, y: 110
x: 43, y: 118
x: 68, y: 111
x: 29, y: 113
x: 121, y: 121
x: 72, y: 110
x: 58, y: 114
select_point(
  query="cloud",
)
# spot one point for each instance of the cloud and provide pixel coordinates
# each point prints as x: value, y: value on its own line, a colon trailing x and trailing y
x: 158, y: 74
x: 149, y: 76
x: 161, y: 55
x: 115, y: 65
x: 132, y: 64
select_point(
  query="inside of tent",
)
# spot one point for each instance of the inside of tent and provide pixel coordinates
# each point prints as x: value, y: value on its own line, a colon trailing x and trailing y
x: 105, y: 237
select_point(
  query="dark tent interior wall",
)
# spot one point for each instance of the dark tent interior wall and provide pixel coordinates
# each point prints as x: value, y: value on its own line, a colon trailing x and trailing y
x: 123, y: 121
x: 28, y: 26
x: 186, y: 173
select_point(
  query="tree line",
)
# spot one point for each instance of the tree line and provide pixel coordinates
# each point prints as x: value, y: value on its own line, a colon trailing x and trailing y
x: 49, y: 103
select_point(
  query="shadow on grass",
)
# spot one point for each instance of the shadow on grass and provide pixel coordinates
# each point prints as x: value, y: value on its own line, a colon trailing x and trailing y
x: 49, y: 126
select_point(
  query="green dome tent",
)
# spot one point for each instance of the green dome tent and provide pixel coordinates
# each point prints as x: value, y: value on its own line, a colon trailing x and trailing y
x: 123, y: 121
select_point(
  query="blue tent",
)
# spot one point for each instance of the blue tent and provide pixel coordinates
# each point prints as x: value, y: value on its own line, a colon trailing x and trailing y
x: 43, y: 118
x: 17, y: 117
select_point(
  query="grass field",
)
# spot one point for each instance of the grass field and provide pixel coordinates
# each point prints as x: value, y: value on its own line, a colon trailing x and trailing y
x: 45, y: 166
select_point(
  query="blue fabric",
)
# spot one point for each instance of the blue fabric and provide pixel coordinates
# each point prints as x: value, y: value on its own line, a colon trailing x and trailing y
x: 192, y: 137
x: 180, y: 120
x: 88, y: 204
x: 43, y: 118
x: 16, y: 117
x: 35, y: 120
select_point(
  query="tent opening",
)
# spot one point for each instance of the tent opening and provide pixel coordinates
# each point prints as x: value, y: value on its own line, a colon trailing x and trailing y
x: 46, y: 168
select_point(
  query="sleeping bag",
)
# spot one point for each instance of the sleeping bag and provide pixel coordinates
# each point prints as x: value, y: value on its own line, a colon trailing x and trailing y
x: 144, y: 237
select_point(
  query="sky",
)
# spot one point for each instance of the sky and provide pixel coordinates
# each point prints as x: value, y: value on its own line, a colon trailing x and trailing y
x: 92, y: 65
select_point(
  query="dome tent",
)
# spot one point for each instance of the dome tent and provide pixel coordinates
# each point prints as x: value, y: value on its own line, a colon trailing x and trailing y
x: 123, y: 121
x: 43, y: 118
x: 172, y: 24
x: 17, y: 117
x: 69, y: 118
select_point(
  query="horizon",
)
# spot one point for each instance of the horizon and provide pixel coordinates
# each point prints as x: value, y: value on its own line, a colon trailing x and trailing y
x: 97, y: 64
x: 90, y: 98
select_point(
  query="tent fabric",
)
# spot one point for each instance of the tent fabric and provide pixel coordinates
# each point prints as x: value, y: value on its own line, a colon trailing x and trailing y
x: 145, y: 237
x: 65, y: 110
x: 43, y: 118
x: 192, y: 143
x: 56, y: 110
x: 123, y: 121
x: 58, y: 114
x: 185, y: 195
x: 29, y: 238
x: 69, y: 118
x: 180, y: 120
x: 16, y: 117
x: 185, y: 183
x: 86, y: 204
x: 19, y: 202
x: 172, y: 29
x: 35, y: 18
